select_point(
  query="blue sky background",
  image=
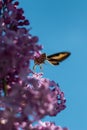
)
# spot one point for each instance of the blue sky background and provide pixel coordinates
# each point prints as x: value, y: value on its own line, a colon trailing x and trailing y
x: 61, y: 25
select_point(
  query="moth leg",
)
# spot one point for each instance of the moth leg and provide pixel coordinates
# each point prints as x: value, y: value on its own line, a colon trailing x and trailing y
x: 34, y: 67
x: 41, y: 67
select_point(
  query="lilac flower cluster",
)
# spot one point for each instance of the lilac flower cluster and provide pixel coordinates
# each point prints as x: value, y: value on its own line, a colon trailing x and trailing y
x: 25, y: 96
x: 47, y: 126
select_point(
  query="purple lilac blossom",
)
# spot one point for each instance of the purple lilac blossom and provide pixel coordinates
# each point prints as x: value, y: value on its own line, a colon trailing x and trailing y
x: 25, y: 96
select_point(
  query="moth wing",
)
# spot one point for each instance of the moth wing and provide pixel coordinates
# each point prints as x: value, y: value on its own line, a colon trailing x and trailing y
x: 53, y: 62
x: 57, y: 57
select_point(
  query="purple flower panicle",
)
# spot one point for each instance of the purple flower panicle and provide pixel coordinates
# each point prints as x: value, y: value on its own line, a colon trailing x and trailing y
x: 25, y: 96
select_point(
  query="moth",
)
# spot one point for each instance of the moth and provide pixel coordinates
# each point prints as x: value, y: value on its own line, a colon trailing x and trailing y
x: 54, y: 59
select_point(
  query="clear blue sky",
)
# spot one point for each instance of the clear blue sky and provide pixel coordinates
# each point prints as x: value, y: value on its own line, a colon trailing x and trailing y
x: 61, y: 25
